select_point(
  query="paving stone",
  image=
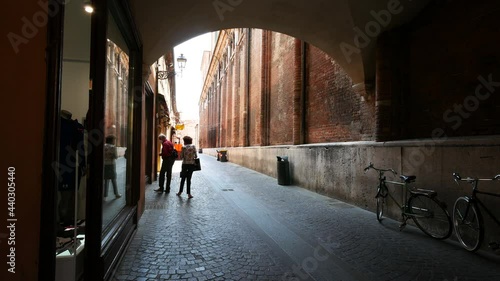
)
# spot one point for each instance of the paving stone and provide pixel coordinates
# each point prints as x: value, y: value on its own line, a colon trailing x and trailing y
x: 215, y: 236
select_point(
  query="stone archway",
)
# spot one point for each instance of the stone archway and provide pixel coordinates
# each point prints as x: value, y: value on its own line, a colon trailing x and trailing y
x: 344, y: 29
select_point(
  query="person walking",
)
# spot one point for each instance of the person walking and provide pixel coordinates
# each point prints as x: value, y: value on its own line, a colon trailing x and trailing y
x: 168, y: 160
x: 110, y: 155
x: 178, y: 147
x: 188, y: 154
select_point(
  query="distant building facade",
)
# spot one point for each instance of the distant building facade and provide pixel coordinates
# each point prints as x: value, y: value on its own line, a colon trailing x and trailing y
x: 267, y: 88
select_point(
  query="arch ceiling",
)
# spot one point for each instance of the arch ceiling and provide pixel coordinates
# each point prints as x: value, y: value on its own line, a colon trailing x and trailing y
x: 331, y: 25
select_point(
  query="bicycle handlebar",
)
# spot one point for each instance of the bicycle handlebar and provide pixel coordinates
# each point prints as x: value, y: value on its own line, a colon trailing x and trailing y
x: 457, y: 178
x: 380, y: 170
x: 369, y: 166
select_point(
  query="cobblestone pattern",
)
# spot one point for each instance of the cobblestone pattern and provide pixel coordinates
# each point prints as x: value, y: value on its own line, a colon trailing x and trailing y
x: 205, y: 238
x: 197, y: 239
x: 378, y: 250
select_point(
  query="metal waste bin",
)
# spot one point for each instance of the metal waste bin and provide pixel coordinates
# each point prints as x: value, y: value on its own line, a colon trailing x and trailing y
x: 283, y: 170
x: 223, y: 155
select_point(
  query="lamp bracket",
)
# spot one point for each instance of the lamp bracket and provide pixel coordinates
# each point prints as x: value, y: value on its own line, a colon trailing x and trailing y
x: 165, y: 74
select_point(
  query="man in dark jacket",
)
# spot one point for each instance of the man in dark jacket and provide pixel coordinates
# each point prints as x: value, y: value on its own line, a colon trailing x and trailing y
x: 167, y: 163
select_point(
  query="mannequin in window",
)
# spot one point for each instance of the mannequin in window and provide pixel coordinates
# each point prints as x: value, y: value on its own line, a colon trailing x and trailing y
x: 71, y: 167
x: 110, y: 155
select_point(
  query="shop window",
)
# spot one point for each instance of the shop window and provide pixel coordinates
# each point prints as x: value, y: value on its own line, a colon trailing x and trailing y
x: 71, y: 168
x: 117, y: 116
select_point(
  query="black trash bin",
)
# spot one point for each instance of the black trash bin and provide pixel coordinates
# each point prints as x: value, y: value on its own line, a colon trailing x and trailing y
x: 223, y: 155
x: 283, y: 170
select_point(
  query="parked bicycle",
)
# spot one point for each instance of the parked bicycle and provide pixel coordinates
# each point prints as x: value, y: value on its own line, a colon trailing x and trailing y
x: 467, y: 217
x: 428, y: 213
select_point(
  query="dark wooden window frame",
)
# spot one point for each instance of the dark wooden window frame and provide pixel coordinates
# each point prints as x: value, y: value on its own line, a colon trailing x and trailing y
x: 102, y: 248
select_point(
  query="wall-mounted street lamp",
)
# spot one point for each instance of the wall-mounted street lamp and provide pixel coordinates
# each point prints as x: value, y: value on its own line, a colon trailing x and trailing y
x: 170, y: 72
x: 181, y: 62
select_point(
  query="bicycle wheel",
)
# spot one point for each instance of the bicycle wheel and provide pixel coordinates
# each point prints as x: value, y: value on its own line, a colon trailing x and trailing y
x: 380, y: 207
x: 430, y: 216
x: 468, y: 223
x: 381, y: 194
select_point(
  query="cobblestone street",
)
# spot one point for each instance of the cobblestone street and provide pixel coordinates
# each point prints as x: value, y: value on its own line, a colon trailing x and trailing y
x: 242, y: 225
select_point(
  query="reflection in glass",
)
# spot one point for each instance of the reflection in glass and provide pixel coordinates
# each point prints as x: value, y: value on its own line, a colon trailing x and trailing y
x: 71, y: 167
x: 116, y: 129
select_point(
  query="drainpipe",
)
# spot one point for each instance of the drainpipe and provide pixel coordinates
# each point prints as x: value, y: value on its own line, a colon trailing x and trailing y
x: 265, y: 93
x: 298, y: 93
x: 247, y: 121
x: 155, y: 121
x: 303, y: 92
x: 219, y: 114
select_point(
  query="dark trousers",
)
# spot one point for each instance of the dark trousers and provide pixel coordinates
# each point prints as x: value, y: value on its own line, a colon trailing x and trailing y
x: 67, y: 207
x: 166, y: 167
x: 186, y: 174
x: 106, y: 187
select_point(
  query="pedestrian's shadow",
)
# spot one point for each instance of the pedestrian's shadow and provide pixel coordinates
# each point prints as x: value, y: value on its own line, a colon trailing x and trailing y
x: 184, y: 201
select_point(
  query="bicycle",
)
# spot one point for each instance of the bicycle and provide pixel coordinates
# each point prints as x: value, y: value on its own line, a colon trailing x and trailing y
x: 428, y: 213
x: 467, y: 217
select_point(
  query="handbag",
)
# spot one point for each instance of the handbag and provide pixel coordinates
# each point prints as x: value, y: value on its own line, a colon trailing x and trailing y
x: 197, y: 164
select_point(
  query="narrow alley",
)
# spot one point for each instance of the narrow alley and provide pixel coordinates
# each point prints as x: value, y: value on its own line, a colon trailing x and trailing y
x: 242, y: 225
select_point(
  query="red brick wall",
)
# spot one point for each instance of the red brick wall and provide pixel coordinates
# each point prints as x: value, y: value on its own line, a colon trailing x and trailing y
x: 227, y: 97
x: 282, y: 79
x: 241, y: 80
x: 204, y: 121
x: 215, y: 123
x: 431, y: 77
x: 452, y: 44
x: 270, y: 111
x: 224, y: 108
x: 392, y: 84
x: 230, y: 104
x: 255, y: 116
x: 235, y: 112
x: 209, y: 123
x: 230, y: 97
x: 333, y: 108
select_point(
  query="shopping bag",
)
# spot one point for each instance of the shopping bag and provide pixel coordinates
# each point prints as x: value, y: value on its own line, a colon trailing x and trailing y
x: 197, y: 164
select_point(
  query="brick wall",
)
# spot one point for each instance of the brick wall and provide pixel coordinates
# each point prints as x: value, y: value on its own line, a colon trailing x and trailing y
x: 450, y: 46
x: 295, y: 94
x: 255, y: 116
x: 209, y: 119
x: 431, y: 81
x: 235, y: 109
x: 282, y: 68
x: 203, y: 113
x: 242, y: 107
x: 333, y: 108
x: 228, y: 105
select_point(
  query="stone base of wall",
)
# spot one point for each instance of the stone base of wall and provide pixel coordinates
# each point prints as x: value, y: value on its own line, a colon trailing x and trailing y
x: 337, y: 169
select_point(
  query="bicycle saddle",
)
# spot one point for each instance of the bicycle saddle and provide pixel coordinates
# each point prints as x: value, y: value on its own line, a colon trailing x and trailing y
x: 408, y: 179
